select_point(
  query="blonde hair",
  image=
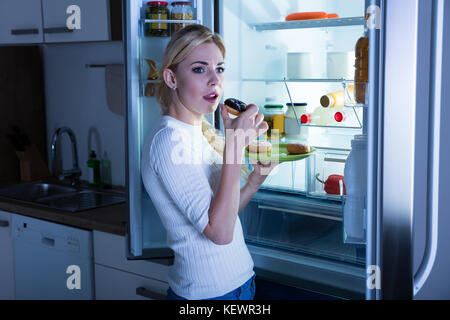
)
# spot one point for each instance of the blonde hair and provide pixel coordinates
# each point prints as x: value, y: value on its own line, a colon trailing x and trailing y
x: 179, y: 47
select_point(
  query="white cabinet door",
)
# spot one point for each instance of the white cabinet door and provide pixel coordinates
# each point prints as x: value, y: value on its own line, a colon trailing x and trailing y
x: 110, y: 250
x: 7, y: 291
x: 20, y: 21
x: 88, y: 20
x: 113, y: 284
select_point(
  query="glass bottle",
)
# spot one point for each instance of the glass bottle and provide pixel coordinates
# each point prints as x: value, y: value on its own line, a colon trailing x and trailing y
x: 182, y: 10
x: 362, y: 66
x: 93, y: 170
x: 157, y: 10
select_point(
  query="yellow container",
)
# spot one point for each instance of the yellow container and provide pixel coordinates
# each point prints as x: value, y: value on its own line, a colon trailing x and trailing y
x: 274, y: 116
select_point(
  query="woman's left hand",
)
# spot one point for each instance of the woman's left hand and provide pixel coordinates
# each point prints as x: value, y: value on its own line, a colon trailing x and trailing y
x: 260, y: 172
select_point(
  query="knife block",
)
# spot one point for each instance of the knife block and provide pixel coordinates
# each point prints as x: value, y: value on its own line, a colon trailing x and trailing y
x: 32, y: 165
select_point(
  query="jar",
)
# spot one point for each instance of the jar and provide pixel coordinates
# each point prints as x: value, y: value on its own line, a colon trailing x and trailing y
x: 181, y: 10
x: 274, y: 116
x: 157, y: 10
x: 291, y: 126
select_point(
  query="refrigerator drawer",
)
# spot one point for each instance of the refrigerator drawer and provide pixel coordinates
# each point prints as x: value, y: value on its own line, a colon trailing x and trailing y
x: 302, y: 230
x: 320, y: 168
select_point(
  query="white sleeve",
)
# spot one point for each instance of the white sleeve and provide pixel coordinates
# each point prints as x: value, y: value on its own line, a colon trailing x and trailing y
x: 184, y: 180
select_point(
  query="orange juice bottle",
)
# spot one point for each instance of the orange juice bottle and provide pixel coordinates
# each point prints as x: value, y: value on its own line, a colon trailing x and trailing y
x: 335, y: 99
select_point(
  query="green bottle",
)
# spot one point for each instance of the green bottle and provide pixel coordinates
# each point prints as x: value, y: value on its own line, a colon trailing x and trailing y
x: 93, y: 170
x: 106, y: 171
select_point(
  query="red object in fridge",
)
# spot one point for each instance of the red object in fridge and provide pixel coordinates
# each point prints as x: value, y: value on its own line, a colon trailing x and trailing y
x: 332, y: 184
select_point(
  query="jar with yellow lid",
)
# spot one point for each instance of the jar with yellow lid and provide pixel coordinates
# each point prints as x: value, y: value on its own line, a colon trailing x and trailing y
x: 157, y: 10
x: 181, y: 10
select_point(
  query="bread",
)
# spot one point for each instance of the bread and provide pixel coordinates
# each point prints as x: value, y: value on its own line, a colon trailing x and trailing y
x: 259, y: 146
x: 235, y: 106
x: 297, y: 148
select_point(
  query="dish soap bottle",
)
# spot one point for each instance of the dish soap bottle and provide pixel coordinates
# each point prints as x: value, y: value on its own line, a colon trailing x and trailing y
x: 93, y: 170
x: 106, y: 171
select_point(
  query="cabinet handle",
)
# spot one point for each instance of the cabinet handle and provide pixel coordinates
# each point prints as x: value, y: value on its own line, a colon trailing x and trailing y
x: 4, y: 223
x: 48, y: 241
x: 19, y: 32
x: 57, y: 30
x: 144, y: 292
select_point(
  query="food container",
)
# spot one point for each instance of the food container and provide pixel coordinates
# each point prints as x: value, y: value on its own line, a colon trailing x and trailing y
x: 274, y: 116
x: 341, y: 65
x: 181, y: 10
x: 291, y: 127
x: 157, y: 10
x: 306, y: 65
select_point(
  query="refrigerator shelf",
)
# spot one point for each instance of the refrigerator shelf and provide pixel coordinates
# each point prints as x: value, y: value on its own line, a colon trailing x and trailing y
x: 331, y: 127
x: 309, y: 24
x: 170, y: 21
x: 342, y: 80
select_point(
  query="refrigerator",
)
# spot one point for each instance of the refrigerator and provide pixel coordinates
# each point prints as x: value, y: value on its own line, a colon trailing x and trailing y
x: 390, y: 148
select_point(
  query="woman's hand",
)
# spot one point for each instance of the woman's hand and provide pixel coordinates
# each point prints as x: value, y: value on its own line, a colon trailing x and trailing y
x: 245, y: 128
x: 260, y: 173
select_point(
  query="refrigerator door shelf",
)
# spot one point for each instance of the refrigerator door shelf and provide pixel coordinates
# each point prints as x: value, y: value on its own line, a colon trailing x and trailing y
x: 308, y: 24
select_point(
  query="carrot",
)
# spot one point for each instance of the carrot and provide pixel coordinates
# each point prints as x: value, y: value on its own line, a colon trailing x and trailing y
x: 332, y: 16
x: 306, y: 15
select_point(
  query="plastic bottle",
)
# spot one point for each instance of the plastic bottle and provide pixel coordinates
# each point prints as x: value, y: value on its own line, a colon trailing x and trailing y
x: 335, y: 99
x: 106, y: 171
x: 362, y: 66
x: 93, y: 170
x: 323, y: 117
x: 355, y: 180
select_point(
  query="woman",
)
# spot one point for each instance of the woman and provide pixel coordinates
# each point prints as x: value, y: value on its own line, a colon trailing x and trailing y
x: 193, y: 175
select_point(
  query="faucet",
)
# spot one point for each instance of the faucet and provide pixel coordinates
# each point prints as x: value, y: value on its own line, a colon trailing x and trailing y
x: 73, y: 173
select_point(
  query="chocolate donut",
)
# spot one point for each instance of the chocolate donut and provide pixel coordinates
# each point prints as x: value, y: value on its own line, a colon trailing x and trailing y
x: 235, y: 106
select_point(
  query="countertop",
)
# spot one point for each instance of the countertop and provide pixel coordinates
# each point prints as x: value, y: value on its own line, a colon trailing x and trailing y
x: 111, y: 219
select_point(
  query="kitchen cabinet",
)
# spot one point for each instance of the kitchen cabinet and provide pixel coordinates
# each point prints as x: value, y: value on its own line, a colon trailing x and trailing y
x: 119, y: 278
x: 34, y: 21
x: 6, y: 258
x: 20, y: 22
x: 95, y: 20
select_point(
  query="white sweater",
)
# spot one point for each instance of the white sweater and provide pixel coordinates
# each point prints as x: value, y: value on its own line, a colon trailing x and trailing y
x: 181, y: 173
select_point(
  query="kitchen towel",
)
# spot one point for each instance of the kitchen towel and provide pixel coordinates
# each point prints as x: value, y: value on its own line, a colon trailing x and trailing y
x: 115, y: 88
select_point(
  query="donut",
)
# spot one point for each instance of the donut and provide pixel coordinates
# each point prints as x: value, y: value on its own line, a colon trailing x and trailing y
x: 235, y: 106
x: 259, y: 146
x: 297, y: 148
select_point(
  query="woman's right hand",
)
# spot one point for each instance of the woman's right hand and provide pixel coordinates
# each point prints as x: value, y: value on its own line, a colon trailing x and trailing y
x: 245, y: 128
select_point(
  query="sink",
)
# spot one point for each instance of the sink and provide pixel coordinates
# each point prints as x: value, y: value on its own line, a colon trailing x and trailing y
x: 32, y: 191
x: 60, y: 197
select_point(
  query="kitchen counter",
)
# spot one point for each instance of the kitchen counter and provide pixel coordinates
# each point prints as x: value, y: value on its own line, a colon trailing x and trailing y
x: 111, y: 219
